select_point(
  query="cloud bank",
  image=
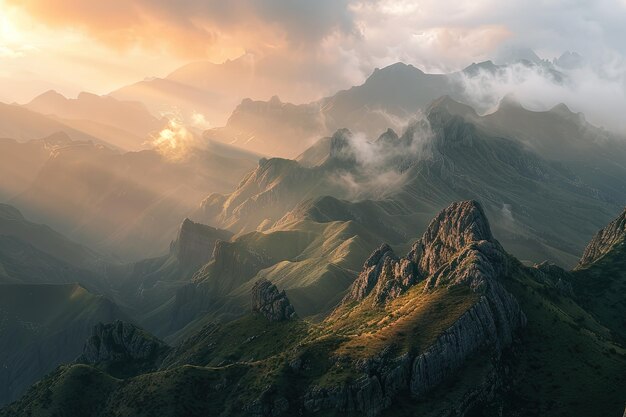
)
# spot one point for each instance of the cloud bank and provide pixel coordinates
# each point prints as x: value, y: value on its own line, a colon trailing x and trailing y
x: 313, y: 47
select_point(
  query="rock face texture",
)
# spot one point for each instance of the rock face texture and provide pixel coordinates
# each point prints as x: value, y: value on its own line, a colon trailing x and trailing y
x: 385, y: 377
x: 340, y: 147
x: 452, y: 230
x: 604, y: 240
x: 456, y: 249
x: 119, y: 342
x: 195, y: 242
x: 385, y: 275
x: 271, y: 303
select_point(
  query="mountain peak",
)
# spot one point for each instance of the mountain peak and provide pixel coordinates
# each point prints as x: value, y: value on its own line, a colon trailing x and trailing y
x: 389, y: 136
x: 475, y: 68
x: 449, y: 233
x: 561, y: 108
x: 449, y: 105
x: 465, y: 218
x: 569, y: 60
x: 397, y: 70
x: 271, y: 303
x: 50, y: 94
x: 509, y: 102
x: 120, y: 342
x: 340, y: 144
x: 369, y: 277
x: 195, y: 242
x: 605, y: 240
x: 85, y: 95
x: 453, y: 229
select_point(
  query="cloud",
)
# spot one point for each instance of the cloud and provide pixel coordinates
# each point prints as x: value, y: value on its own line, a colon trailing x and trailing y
x: 379, y: 165
x: 598, y: 90
x: 196, y: 29
x: 312, y: 48
x: 175, y: 141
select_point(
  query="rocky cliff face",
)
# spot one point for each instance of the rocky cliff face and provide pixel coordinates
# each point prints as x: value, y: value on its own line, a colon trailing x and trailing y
x: 271, y: 303
x: 384, y: 377
x: 195, y: 243
x: 452, y: 230
x: 385, y: 275
x: 456, y: 249
x: 120, y: 342
x: 604, y: 240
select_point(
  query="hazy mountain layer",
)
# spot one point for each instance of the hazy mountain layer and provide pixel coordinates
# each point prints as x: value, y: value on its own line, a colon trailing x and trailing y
x: 450, y: 155
x: 126, y: 204
x: 148, y: 288
x: 42, y: 237
x: 126, y: 116
x: 21, y: 162
x: 389, y: 98
x: 21, y: 124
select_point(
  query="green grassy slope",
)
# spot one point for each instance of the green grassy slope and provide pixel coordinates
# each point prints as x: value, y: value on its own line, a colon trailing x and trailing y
x: 600, y: 288
x: 566, y: 364
x: 235, y: 368
x: 42, y: 326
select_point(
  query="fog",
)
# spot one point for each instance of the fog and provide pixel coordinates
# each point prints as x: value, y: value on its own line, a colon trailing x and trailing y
x: 598, y: 90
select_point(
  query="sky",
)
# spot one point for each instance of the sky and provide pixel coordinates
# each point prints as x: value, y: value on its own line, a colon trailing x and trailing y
x: 98, y: 46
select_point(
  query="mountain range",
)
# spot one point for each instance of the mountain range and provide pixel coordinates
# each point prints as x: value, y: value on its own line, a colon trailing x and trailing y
x: 125, y: 204
x: 393, y: 249
x: 455, y: 326
x: 124, y: 124
x: 389, y: 98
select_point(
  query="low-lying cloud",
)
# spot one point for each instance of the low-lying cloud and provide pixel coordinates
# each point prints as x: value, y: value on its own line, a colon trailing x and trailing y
x: 379, y: 165
x: 598, y: 92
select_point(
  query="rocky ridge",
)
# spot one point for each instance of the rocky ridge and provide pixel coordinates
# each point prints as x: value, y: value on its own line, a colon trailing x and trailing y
x: 195, y: 242
x: 271, y: 303
x: 457, y: 249
x: 604, y: 241
x: 120, y: 342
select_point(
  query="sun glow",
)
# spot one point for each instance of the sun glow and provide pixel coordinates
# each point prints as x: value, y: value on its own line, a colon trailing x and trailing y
x: 9, y: 30
x: 175, y: 141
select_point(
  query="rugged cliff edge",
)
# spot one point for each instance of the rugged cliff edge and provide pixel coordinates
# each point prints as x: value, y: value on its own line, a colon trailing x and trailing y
x: 457, y: 250
x: 195, y: 243
x: 122, y: 347
x: 613, y: 234
x: 271, y: 303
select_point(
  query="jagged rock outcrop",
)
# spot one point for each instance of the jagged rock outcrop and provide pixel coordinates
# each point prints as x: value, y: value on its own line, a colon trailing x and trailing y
x: 390, y: 137
x: 456, y: 249
x: 453, y: 229
x: 604, y: 241
x: 271, y: 303
x: 195, y: 243
x: 340, y: 147
x: 120, y: 342
x: 385, y: 275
